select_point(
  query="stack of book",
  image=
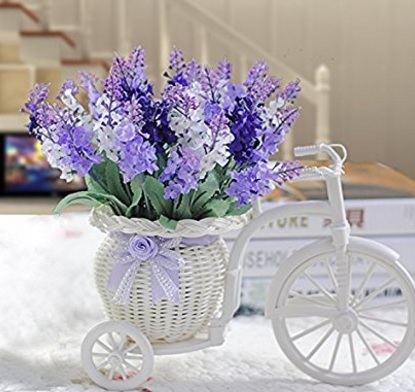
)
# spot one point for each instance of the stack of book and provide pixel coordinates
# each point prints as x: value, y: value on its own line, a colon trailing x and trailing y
x: 380, y: 205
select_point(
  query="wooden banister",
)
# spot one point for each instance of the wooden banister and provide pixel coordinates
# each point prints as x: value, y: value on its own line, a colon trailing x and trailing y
x: 29, y: 13
x: 59, y: 34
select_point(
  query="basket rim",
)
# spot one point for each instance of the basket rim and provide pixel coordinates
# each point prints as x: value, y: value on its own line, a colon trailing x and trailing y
x: 105, y: 220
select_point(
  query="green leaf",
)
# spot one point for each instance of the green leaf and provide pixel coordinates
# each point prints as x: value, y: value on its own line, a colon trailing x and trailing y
x: 183, y: 210
x: 154, y: 190
x: 99, y: 172
x: 205, y: 192
x: 136, y: 186
x: 94, y: 186
x: 239, y: 211
x: 216, y: 208
x: 114, y: 183
x: 82, y: 197
x: 168, y: 223
x: 92, y: 199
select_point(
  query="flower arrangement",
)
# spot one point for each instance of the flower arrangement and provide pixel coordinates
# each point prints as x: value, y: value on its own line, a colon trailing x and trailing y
x: 200, y: 150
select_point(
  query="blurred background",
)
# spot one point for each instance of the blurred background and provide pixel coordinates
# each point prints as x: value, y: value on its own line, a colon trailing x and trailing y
x: 356, y: 60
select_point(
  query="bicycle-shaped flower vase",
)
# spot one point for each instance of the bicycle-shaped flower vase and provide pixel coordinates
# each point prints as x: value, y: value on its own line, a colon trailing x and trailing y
x: 340, y: 315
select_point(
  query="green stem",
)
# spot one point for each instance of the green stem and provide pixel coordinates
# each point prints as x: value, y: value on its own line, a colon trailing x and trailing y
x: 148, y: 207
x: 176, y: 204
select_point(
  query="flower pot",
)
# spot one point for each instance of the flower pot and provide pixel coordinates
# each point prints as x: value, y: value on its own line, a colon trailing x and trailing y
x: 200, y: 278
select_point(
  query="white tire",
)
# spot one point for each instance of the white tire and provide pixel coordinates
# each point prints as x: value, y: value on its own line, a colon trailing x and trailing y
x: 117, y: 356
x: 353, y: 347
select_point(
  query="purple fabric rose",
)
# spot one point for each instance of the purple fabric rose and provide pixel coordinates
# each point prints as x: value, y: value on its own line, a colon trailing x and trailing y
x: 144, y: 248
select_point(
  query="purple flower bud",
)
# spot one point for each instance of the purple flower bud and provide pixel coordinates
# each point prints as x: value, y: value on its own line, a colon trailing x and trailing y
x: 176, y: 61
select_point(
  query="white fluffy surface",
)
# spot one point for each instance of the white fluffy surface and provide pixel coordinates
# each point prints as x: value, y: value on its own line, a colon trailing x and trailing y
x: 48, y: 303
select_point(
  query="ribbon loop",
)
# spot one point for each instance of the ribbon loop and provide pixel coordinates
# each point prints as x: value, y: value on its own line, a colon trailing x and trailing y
x: 165, y: 263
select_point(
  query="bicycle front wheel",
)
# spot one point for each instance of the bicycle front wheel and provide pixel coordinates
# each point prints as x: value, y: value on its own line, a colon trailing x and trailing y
x: 363, y: 344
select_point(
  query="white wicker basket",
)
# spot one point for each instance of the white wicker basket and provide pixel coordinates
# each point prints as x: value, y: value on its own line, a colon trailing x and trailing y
x: 201, y: 278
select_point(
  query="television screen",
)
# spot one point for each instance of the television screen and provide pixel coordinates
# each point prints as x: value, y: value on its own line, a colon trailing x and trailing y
x: 26, y: 170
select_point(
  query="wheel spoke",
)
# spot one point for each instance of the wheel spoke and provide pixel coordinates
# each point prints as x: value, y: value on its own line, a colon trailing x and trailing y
x: 102, y: 364
x: 367, y: 277
x: 378, y: 334
x: 331, y: 275
x: 111, y: 373
x: 130, y: 366
x: 112, y: 341
x: 103, y: 345
x: 123, y: 339
x: 320, y: 343
x: 320, y: 287
x: 134, y: 356
x: 352, y: 353
x: 391, y: 322
x: 368, y: 348
x: 375, y: 293
x: 335, y: 351
x: 309, y: 298
x: 100, y: 355
x: 123, y: 374
x: 131, y: 348
x: 310, y: 330
x: 382, y: 306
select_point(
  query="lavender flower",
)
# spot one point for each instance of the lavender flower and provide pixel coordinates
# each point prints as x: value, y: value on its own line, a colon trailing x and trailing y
x: 290, y: 92
x: 176, y: 61
x: 181, y: 173
x: 218, y: 152
x: 202, y: 122
x: 249, y: 183
x: 88, y: 83
x: 259, y: 85
x: 285, y: 171
x: 133, y: 154
x: 276, y: 125
x: 246, y: 123
x: 224, y: 70
x: 37, y: 97
x: 65, y: 135
x: 192, y: 71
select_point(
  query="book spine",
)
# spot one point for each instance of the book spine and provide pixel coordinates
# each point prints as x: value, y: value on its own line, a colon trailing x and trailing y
x: 366, y: 217
x: 264, y: 256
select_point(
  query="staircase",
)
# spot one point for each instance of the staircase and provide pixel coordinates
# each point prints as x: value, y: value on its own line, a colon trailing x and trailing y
x: 31, y: 53
x: 33, y: 47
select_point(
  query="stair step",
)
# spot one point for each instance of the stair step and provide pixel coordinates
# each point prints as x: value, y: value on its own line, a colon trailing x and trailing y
x: 44, y: 47
x: 13, y: 122
x: 15, y: 82
x: 9, y: 52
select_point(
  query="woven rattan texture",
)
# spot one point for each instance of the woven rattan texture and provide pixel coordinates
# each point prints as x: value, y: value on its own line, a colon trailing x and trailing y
x: 106, y: 221
x: 201, y: 293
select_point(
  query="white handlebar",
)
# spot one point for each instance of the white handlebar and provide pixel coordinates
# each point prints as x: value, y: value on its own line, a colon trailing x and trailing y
x: 319, y: 148
x: 307, y: 150
x: 309, y: 174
